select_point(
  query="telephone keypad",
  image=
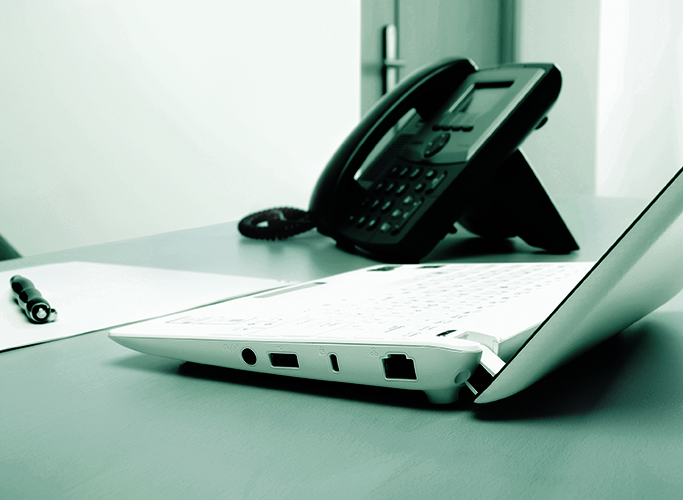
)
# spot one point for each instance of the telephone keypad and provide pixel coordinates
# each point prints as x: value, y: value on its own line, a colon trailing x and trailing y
x: 395, y: 197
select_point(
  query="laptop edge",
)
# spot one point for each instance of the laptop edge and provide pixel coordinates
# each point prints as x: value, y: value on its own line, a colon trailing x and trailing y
x: 640, y: 272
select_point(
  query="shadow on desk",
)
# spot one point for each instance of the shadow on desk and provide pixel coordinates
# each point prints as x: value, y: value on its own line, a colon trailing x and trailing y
x: 321, y: 253
x: 637, y: 371
x: 463, y: 246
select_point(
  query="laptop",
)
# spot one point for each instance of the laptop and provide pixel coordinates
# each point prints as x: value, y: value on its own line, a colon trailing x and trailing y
x: 487, y: 330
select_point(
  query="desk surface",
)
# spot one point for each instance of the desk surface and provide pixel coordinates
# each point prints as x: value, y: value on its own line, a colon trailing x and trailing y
x: 87, y: 418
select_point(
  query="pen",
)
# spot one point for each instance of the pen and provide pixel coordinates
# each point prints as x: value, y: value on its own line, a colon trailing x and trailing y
x: 30, y: 300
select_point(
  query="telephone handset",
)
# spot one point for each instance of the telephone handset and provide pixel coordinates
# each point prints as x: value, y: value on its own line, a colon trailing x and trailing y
x: 441, y: 148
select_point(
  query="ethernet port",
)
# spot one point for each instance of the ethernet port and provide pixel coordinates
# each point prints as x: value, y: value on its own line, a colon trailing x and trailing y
x: 399, y: 366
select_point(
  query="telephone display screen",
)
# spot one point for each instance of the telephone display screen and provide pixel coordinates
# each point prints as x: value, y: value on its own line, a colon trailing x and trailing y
x: 483, y: 99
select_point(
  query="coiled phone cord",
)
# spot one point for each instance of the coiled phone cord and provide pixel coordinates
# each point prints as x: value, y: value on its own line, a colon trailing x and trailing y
x: 275, y: 224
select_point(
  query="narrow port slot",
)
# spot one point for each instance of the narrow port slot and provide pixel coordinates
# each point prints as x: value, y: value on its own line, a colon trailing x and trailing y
x: 334, y: 363
x: 249, y: 356
x: 284, y: 360
x: 399, y: 366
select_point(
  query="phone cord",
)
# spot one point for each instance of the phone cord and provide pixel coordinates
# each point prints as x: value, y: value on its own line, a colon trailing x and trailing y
x: 275, y: 224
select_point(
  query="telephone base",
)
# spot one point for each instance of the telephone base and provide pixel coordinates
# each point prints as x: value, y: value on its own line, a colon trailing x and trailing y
x: 514, y: 203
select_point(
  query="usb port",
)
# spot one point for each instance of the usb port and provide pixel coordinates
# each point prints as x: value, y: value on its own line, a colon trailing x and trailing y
x: 284, y: 360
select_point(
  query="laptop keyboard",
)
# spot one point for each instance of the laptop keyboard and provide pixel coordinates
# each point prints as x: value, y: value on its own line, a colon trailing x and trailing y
x: 371, y: 304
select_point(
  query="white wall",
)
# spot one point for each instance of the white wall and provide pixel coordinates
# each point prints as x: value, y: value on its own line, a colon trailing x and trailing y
x: 640, y: 93
x: 122, y: 118
x: 617, y: 128
x: 564, y: 32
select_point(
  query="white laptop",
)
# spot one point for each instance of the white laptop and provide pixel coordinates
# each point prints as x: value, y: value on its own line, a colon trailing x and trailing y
x: 490, y: 329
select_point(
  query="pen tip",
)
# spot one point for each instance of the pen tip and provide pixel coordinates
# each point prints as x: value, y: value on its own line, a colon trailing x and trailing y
x: 41, y: 313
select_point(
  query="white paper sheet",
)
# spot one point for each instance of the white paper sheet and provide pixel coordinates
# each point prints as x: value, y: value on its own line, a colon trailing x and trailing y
x: 90, y: 296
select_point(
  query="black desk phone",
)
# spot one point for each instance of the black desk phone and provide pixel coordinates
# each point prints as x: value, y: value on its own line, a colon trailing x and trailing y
x: 441, y: 148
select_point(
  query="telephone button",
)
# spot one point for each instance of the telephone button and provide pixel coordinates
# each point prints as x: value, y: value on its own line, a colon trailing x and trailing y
x: 375, y: 204
x: 405, y: 213
x: 401, y: 189
x: 387, y: 206
x: 413, y: 207
x: 404, y: 171
x: 434, y: 183
x: 436, y: 144
x: 440, y: 127
x: 386, y: 227
x: 415, y: 173
x: 372, y: 224
x: 419, y: 187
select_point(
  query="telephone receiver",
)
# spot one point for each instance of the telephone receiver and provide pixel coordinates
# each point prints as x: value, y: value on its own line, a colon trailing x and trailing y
x: 441, y: 148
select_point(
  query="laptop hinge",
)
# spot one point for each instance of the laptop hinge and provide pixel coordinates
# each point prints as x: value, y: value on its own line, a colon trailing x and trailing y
x: 489, y: 366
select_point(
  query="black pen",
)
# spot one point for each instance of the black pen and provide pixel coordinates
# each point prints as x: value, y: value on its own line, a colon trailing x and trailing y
x: 30, y: 300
